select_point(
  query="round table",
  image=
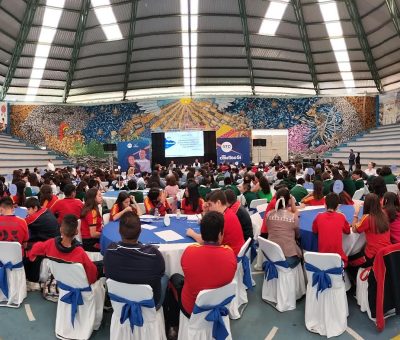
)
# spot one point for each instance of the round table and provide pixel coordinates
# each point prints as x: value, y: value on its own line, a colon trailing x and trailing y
x: 171, y: 250
x: 353, y: 243
x: 110, y: 197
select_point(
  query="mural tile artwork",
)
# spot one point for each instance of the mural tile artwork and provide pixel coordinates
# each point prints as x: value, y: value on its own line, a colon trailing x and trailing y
x: 315, y: 124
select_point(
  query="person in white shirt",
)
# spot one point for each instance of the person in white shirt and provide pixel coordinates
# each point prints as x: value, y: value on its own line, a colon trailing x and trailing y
x: 50, y: 166
x: 143, y: 162
x: 370, y: 171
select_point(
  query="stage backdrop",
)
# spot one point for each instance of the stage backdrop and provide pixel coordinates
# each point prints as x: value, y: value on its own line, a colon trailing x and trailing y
x: 233, y: 150
x: 4, y: 117
x: 135, y: 154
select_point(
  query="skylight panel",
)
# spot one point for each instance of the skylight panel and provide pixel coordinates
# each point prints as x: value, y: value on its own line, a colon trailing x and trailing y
x: 333, y: 26
x: 189, y: 16
x: 273, y: 17
x: 51, y: 18
x: 105, y: 16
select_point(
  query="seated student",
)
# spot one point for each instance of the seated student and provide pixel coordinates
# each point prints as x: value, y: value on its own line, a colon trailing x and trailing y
x: 34, y: 186
x: 290, y: 181
x: 265, y: 190
x: 12, y: 228
x: 308, y: 185
x: 283, y: 227
x: 348, y: 183
x: 120, y: 184
x: 327, y: 181
x: 233, y: 235
x: 207, y: 265
x: 46, y: 197
x: 192, y: 203
x: 387, y: 175
x: 67, y: 205
x: 19, y: 198
x: 375, y: 224
x: 357, y: 178
x: 124, y: 203
x: 172, y: 188
x: 205, y: 187
x: 391, y: 206
x: 280, y: 176
x: 66, y: 248
x: 298, y: 191
x: 370, y: 170
x: 228, y: 184
x: 241, y: 213
x: 129, y: 261
x: 132, y: 187
x: 248, y: 194
x: 91, y: 220
x: 81, y: 190
x: 316, y: 197
x: 330, y: 226
x: 378, y: 187
x: 156, y: 202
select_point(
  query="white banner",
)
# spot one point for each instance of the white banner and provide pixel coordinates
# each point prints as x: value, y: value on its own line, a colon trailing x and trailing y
x: 3, y: 117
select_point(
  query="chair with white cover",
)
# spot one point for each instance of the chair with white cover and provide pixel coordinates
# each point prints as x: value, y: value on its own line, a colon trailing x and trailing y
x: 362, y: 290
x: 256, y: 222
x: 80, y: 305
x: 135, y: 315
x: 282, y: 285
x: 392, y: 188
x: 255, y: 203
x: 242, y: 199
x: 106, y: 218
x: 209, y: 319
x: 262, y: 207
x: 358, y: 194
x: 12, y: 275
x: 78, y: 236
x: 142, y: 208
x: 243, y: 282
x: 326, y: 301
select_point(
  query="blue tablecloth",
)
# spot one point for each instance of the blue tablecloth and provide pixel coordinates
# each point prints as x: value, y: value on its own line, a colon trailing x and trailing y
x: 309, y: 240
x: 114, y: 194
x: 20, y: 212
x: 111, y: 234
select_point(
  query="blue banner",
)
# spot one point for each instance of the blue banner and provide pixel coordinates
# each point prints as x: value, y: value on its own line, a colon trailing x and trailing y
x: 136, y: 154
x: 233, y: 150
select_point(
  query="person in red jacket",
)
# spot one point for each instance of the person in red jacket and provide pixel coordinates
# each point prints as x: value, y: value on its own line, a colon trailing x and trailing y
x: 68, y: 205
x: 91, y: 220
x: 156, y: 200
x: 65, y: 248
x: 330, y: 227
x: 233, y: 235
x: 46, y: 197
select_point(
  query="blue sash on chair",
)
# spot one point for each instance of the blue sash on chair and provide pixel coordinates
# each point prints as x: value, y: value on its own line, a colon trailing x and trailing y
x: 253, y: 250
x: 73, y: 298
x: 321, y: 277
x: 132, y: 310
x: 3, y: 275
x: 219, y: 330
x: 246, y: 271
x: 269, y: 267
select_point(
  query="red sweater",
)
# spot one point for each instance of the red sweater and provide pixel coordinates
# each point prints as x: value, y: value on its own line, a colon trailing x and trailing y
x: 330, y: 227
x: 48, y: 204
x: 13, y: 229
x: 92, y: 219
x: 233, y: 234
x: 53, y: 249
x: 187, y: 208
x: 67, y: 206
x: 205, y: 267
x: 374, y: 241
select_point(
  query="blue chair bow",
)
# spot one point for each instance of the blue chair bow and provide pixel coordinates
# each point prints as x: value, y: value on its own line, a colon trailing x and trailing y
x: 321, y: 277
x: 3, y: 275
x: 253, y: 250
x: 132, y: 310
x: 269, y: 268
x: 216, y: 314
x: 73, y: 298
x: 246, y: 271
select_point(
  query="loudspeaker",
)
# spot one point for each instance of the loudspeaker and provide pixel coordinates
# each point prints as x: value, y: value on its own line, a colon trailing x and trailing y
x: 110, y: 147
x: 260, y: 142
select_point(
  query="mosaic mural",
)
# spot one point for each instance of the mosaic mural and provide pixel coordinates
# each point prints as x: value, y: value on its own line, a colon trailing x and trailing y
x: 389, y: 108
x: 315, y: 124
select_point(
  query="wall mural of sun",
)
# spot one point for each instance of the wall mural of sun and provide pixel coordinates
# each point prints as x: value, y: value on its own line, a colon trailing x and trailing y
x: 315, y: 124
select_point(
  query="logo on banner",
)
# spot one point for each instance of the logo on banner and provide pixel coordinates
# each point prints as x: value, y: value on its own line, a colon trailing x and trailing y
x: 129, y: 146
x: 169, y: 143
x: 226, y: 147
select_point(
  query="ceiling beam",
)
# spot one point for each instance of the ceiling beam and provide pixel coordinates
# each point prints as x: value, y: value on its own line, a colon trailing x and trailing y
x: 80, y: 31
x: 363, y: 40
x: 132, y: 25
x: 26, y: 24
x: 306, y: 42
x: 245, y: 29
x: 394, y: 13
